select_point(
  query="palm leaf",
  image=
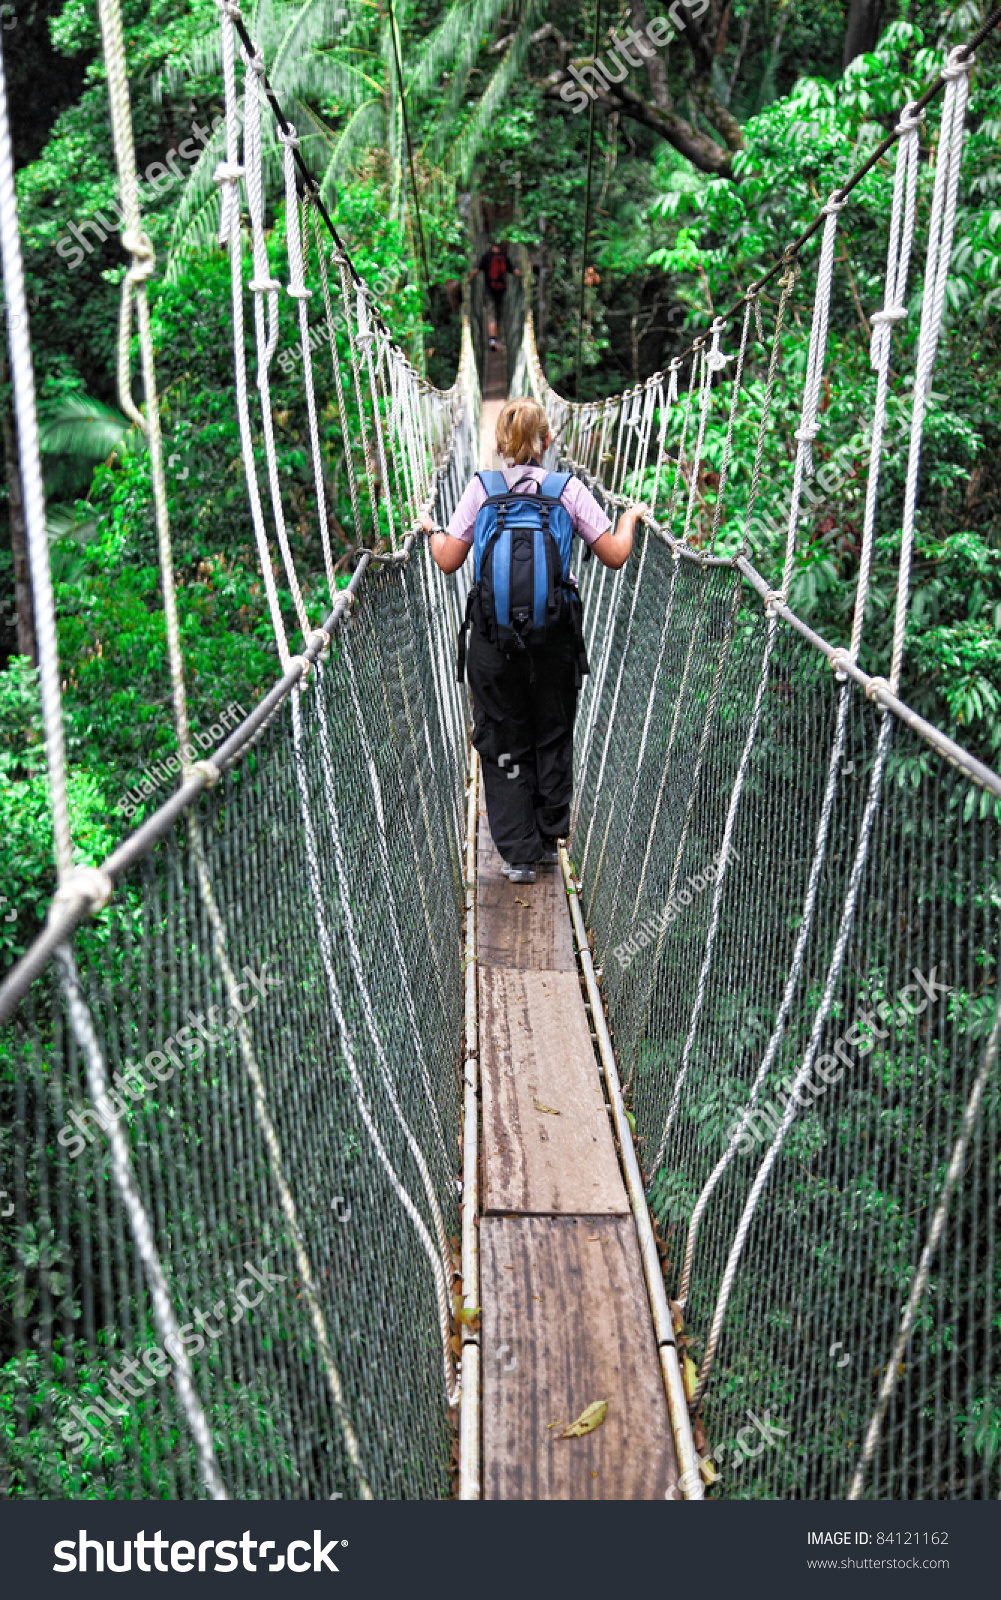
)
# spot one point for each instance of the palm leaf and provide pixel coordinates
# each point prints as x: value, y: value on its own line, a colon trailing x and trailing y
x: 468, y: 145
x: 364, y: 129
x: 79, y: 425
x: 459, y: 34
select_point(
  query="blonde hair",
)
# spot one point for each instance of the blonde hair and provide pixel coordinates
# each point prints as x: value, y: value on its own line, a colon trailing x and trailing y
x: 522, y: 431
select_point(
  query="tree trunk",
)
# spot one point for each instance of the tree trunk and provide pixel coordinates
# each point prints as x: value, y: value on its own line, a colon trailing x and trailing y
x: 26, y: 644
x: 862, y: 32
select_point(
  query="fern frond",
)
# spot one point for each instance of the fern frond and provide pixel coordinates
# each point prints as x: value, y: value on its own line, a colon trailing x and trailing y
x: 80, y: 425
x: 365, y: 128
x: 459, y: 34
x: 473, y: 136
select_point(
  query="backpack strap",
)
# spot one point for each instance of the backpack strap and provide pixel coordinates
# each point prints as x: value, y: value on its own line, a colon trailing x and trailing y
x: 493, y: 482
x: 554, y: 483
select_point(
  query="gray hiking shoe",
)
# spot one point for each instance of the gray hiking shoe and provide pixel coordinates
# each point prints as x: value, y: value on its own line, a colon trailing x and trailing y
x: 519, y: 874
x: 549, y: 856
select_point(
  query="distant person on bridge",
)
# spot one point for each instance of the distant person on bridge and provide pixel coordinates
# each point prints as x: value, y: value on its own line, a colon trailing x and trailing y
x: 495, y: 264
x: 525, y: 629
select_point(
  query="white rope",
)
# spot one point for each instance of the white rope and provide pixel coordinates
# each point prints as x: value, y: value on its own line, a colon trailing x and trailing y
x: 347, y: 1042
x: 239, y: 355
x: 724, y: 470
x: 786, y: 284
x: 665, y: 407
x: 696, y: 369
x: 953, y: 1174
x: 341, y: 262
x: 335, y: 361
x: 167, y: 1325
x: 806, y: 1066
x: 137, y: 243
x: 23, y: 383
x: 366, y: 338
x: 713, y: 360
x: 902, y: 217
x: 809, y: 426
x: 387, y: 879
x: 276, y: 1160
x: 266, y: 336
x: 598, y: 686
x: 696, y: 769
x: 941, y: 228
x: 625, y: 832
x: 298, y: 290
x: 795, y: 970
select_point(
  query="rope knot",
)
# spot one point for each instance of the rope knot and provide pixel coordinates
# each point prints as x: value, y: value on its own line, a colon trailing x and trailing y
x: 305, y: 663
x: 288, y: 137
x: 87, y: 883
x: 955, y: 66
x: 889, y: 314
x: 206, y: 769
x: 231, y: 9
x: 298, y: 292
x: 807, y: 432
x: 834, y: 205
x: 838, y: 659
x: 264, y: 285
x: 141, y: 250
x: 910, y: 119
x: 875, y: 686
x: 716, y: 360
x: 229, y: 173
x: 256, y: 62
x: 319, y: 640
x: 773, y: 598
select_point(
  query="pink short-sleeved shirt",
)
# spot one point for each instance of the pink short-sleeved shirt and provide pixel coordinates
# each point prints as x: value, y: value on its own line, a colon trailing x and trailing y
x: 589, y: 521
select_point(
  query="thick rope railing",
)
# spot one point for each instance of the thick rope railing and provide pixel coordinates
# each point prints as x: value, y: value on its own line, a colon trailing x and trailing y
x: 902, y: 225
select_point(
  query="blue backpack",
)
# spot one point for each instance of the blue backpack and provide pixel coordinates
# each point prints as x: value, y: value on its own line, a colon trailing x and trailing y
x: 521, y: 549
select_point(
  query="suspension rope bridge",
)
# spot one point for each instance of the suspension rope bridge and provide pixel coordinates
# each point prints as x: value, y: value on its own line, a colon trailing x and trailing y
x: 261, y: 1065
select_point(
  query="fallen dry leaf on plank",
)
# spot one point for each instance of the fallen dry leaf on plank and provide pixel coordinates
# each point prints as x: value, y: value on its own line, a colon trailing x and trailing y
x: 540, y: 1107
x: 590, y: 1418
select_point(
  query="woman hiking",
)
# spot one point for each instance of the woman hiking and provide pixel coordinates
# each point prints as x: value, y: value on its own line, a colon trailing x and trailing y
x: 525, y: 638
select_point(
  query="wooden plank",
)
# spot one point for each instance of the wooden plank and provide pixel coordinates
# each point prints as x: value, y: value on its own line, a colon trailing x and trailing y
x: 547, y: 1143
x: 520, y: 924
x: 566, y: 1322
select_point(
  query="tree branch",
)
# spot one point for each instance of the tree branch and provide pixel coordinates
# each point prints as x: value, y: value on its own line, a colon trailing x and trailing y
x: 704, y: 153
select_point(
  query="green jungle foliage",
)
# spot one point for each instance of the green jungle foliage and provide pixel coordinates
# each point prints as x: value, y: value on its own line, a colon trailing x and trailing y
x: 497, y: 149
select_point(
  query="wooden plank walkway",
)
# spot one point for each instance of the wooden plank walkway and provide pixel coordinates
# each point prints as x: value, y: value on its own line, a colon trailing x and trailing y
x: 566, y: 1318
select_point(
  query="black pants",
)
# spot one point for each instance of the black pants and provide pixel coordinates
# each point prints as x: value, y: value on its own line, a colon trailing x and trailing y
x: 523, y: 730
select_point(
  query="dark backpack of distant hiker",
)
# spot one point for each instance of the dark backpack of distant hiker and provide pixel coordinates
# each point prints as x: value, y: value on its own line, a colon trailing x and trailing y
x: 496, y: 272
x: 522, y: 590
